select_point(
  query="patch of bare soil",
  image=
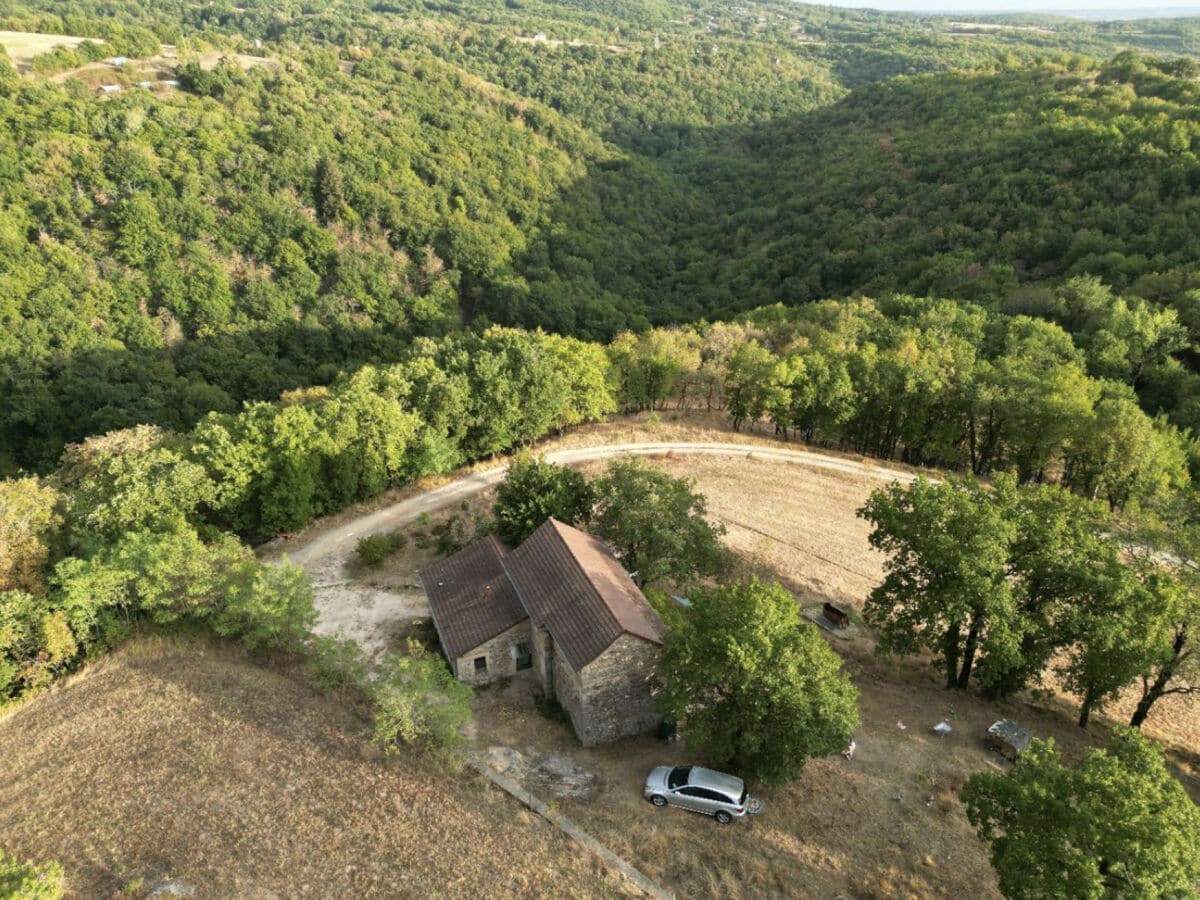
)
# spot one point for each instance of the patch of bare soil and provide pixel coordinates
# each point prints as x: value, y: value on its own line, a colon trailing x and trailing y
x: 182, y: 759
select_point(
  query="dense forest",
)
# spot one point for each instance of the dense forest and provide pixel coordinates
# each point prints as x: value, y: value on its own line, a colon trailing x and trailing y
x: 395, y: 172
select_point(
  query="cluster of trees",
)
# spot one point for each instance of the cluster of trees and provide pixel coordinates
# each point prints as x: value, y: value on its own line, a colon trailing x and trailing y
x: 135, y: 525
x: 164, y: 255
x: 654, y: 522
x: 1117, y: 825
x: 1005, y: 583
x: 934, y: 382
x: 263, y: 230
x: 759, y: 690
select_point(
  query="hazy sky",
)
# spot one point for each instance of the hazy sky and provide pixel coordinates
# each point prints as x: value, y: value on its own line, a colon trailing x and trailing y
x: 1152, y: 7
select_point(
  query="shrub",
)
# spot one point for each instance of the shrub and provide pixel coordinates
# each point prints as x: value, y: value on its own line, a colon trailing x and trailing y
x: 418, y: 700
x: 334, y: 663
x: 452, y: 536
x: 375, y: 548
x: 26, y: 881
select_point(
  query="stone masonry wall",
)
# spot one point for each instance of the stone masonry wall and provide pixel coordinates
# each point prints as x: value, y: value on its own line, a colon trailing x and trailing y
x: 499, y: 653
x: 543, y: 658
x: 568, y: 689
x: 617, y: 698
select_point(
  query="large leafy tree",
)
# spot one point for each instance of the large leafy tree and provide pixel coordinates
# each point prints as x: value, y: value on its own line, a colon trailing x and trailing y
x: 756, y: 688
x: 533, y: 491
x: 1165, y: 542
x: 655, y: 522
x: 946, y: 588
x: 1118, y: 825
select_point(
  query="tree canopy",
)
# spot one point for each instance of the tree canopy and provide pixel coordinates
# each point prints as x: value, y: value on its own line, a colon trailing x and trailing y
x: 754, y: 687
x: 1117, y: 825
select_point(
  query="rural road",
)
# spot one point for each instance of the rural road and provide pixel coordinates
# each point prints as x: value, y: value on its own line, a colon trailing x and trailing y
x: 365, y: 614
x: 337, y: 544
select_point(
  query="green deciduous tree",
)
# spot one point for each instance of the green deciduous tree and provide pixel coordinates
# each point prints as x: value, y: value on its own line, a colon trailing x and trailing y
x: 534, y: 490
x: 946, y: 588
x: 655, y: 522
x: 756, y: 688
x: 1119, y: 825
x: 30, y: 521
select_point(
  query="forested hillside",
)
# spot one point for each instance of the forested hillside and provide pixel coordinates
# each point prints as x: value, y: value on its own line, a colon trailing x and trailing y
x: 363, y: 175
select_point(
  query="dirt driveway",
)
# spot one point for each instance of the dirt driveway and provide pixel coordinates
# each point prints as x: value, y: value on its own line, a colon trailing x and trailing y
x: 366, y: 614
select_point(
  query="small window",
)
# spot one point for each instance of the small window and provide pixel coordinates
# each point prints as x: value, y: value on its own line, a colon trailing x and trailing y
x: 481, y: 664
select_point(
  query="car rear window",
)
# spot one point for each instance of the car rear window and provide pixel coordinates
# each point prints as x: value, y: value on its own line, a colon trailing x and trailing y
x: 742, y: 799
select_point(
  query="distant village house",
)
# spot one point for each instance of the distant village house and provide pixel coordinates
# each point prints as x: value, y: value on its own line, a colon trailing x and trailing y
x: 561, y: 606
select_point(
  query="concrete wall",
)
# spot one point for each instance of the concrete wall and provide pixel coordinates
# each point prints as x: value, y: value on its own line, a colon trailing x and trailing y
x: 613, y: 696
x: 499, y: 653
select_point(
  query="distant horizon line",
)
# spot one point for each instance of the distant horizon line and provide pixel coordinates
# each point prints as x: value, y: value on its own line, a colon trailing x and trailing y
x: 1095, y: 9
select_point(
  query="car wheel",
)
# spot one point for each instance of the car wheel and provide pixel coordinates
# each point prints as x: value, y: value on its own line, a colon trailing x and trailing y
x: 658, y: 801
x: 723, y: 817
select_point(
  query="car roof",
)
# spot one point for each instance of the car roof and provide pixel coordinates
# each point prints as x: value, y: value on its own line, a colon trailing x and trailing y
x: 718, y: 781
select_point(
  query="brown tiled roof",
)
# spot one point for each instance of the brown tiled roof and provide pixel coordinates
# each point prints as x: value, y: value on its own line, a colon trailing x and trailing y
x: 471, y: 597
x: 571, y: 583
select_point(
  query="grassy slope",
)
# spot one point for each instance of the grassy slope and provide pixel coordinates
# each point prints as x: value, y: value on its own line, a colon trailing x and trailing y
x: 184, y: 759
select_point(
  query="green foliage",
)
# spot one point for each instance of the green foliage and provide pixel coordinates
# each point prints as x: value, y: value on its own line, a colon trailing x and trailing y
x: 1118, y: 825
x: 533, y: 491
x: 30, y: 881
x: 36, y: 644
x: 30, y: 530
x: 946, y: 587
x: 452, y: 535
x: 375, y: 548
x: 334, y: 663
x: 417, y: 700
x: 655, y: 523
x: 755, y: 688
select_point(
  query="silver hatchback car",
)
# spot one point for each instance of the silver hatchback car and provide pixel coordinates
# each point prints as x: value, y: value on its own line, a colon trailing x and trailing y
x: 700, y: 790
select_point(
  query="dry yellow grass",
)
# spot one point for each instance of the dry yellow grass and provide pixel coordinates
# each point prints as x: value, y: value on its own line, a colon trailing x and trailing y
x: 23, y: 46
x: 185, y: 759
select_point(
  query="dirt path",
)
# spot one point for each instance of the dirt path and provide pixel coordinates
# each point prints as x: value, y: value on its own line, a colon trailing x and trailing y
x: 363, y: 614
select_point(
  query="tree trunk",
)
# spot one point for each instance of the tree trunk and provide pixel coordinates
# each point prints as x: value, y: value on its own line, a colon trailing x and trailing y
x: 968, y: 662
x: 1085, y: 711
x: 950, y: 655
x: 1152, y: 692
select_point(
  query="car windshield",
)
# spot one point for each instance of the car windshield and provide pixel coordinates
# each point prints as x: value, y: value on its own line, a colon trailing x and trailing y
x: 678, y: 776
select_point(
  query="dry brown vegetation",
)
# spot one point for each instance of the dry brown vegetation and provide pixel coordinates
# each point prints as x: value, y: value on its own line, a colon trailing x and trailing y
x: 182, y: 758
x: 23, y: 46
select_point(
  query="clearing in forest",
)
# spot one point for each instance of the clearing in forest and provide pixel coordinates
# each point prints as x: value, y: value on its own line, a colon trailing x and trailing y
x: 23, y: 46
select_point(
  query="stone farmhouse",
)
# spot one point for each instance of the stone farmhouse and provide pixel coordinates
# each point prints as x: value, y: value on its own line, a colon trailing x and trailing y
x: 561, y: 606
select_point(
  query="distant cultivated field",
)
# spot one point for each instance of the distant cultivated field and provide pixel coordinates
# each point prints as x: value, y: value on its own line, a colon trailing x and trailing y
x: 183, y: 759
x: 23, y: 46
